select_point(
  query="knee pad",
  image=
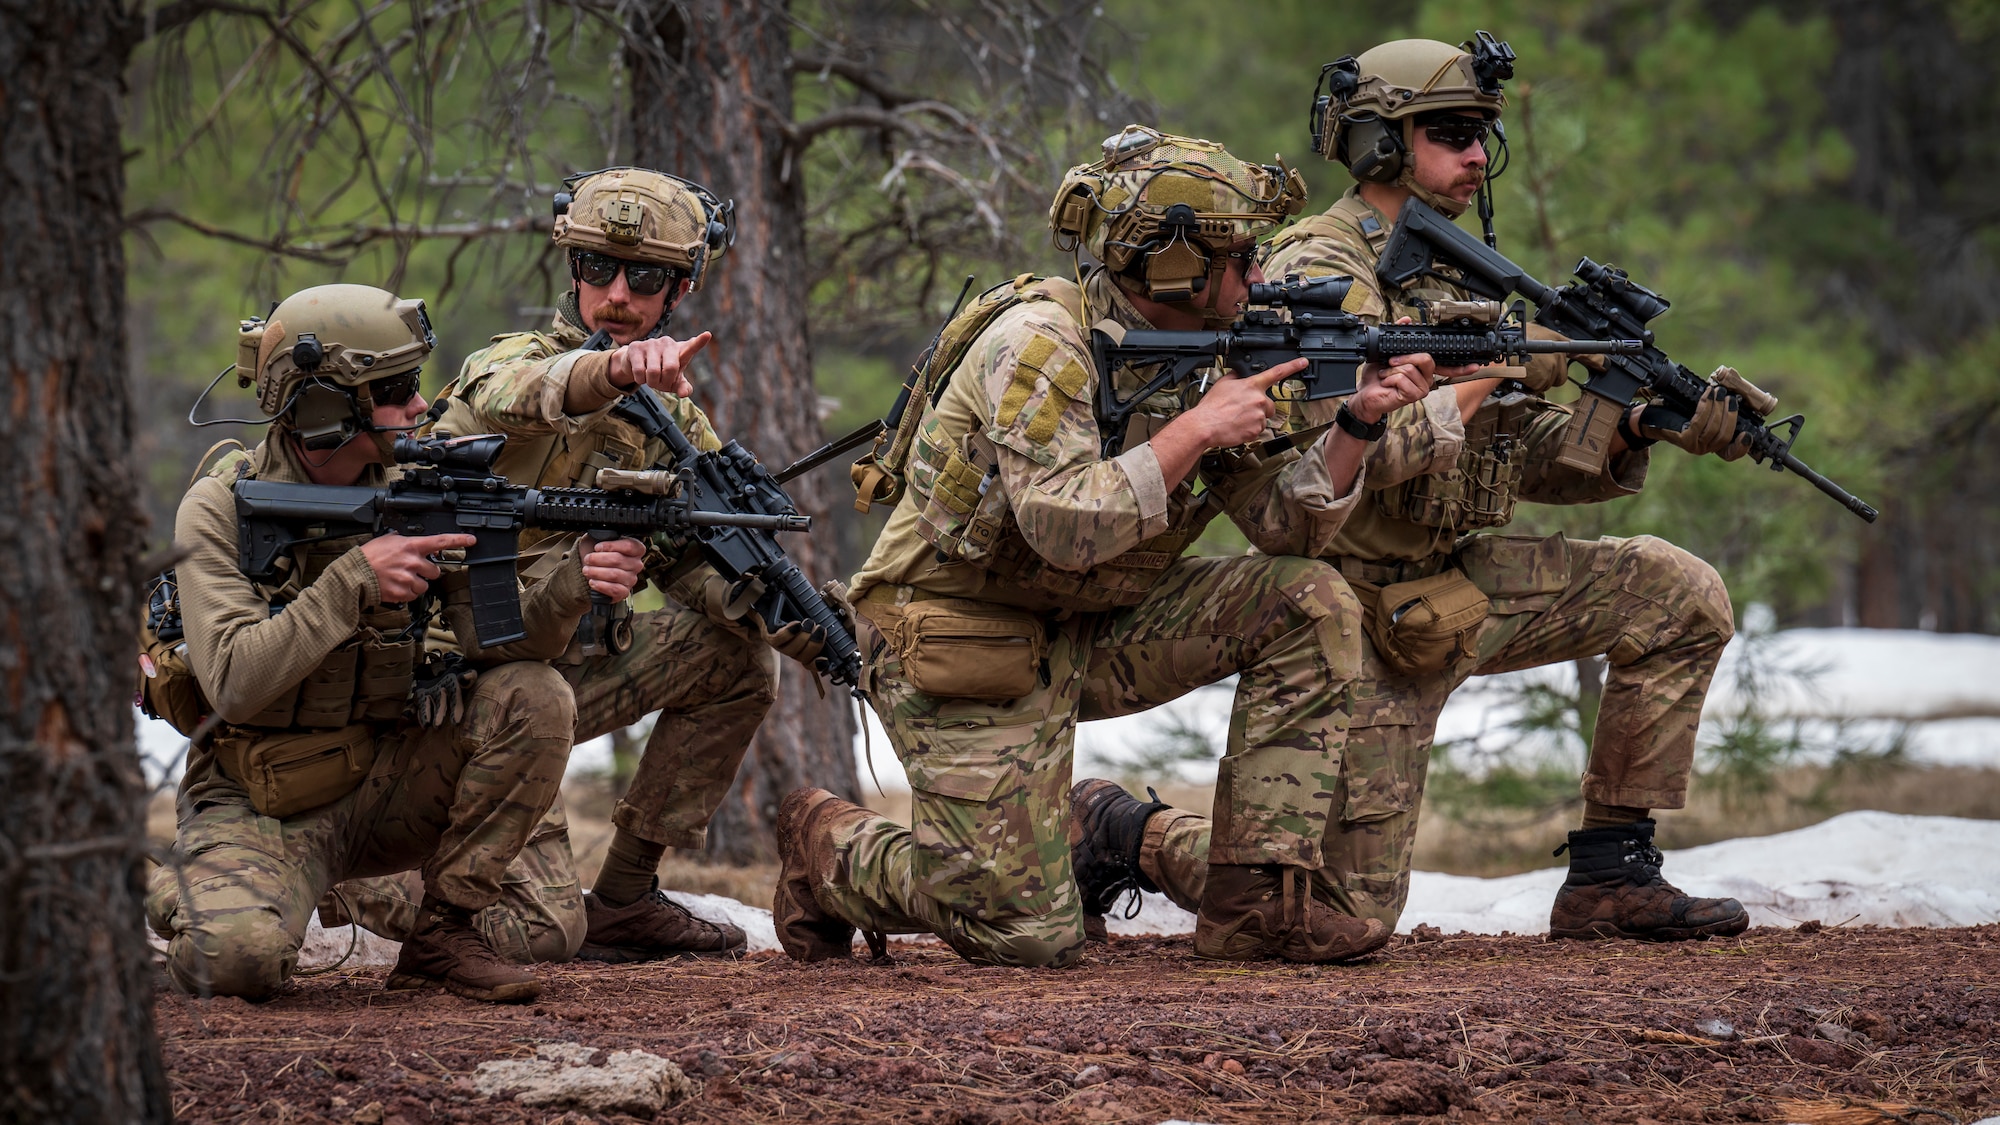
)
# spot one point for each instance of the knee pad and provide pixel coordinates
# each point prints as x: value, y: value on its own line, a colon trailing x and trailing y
x: 244, y: 953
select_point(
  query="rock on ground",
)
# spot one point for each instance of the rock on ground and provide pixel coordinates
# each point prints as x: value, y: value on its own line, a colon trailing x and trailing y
x: 561, y: 1076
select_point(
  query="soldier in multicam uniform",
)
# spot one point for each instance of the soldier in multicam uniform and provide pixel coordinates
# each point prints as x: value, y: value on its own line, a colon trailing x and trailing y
x: 318, y: 771
x: 1411, y: 120
x: 638, y: 241
x: 1026, y: 581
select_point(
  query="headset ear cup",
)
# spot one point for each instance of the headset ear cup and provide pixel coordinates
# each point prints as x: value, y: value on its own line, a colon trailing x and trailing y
x: 1373, y: 150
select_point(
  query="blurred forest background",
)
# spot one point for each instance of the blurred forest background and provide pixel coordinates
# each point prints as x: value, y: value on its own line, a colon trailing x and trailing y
x: 1811, y: 184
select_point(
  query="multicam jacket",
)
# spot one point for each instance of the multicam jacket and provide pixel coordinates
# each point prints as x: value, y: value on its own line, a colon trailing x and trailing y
x: 1432, y: 477
x: 1010, y: 499
x: 518, y: 386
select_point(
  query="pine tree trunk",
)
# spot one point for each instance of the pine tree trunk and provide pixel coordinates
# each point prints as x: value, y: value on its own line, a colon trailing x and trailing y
x: 712, y: 101
x: 77, y: 1041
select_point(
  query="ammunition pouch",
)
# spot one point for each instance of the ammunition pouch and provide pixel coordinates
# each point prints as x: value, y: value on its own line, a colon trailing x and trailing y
x: 287, y: 773
x: 1479, y: 491
x: 956, y: 648
x: 1425, y: 625
x: 167, y: 687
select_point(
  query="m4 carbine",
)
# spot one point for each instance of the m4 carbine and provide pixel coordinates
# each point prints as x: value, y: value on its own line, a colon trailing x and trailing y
x: 731, y: 480
x: 1304, y: 318
x: 450, y: 488
x: 1602, y: 301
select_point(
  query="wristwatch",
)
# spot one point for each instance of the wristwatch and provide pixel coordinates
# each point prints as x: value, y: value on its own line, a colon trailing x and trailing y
x: 1346, y: 420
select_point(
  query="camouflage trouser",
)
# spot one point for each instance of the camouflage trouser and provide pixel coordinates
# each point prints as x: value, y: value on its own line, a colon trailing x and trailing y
x: 1660, y: 615
x: 539, y: 917
x: 712, y: 687
x: 986, y: 863
x: 461, y: 802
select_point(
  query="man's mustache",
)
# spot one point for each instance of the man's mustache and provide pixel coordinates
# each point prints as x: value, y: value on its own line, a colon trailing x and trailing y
x: 616, y: 314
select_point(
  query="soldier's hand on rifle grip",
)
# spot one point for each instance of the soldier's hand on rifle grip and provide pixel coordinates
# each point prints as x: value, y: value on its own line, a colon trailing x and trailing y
x: 1236, y: 409
x: 659, y: 363
x: 614, y: 567
x: 403, y: 565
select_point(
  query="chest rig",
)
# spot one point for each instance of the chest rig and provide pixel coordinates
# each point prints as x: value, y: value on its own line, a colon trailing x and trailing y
x: 366, y: 678
x: 1479, y: 490
x: 962, y: 506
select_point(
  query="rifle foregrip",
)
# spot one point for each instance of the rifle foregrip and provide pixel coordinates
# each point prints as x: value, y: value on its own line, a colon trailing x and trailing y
x: 843, y: 655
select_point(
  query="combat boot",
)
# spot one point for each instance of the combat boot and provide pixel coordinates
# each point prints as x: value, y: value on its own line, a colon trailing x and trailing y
x: 1105, y: 859
x: 807, y: 820
x: 1615, y: 889
x: 652, y: 929
x: 446, y: 949
x: 1269, y: 912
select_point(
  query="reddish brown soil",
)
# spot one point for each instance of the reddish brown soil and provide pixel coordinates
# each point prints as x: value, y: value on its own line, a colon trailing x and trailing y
x: 1475, y: 1028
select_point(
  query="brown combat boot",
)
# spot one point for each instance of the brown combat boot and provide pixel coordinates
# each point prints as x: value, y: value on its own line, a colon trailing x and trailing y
x: 806, y: 823
x: 1615, y: 890
x: 1111, y: 825
x: 446, y: 949
x: 1266, y: 912
x: 653, y: 929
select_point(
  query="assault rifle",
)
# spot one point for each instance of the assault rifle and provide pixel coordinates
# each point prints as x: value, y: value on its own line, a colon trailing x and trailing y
x: 1602, y: 301
x: 1301, y: 317
x: 731, y: 481
x: 450, y: 488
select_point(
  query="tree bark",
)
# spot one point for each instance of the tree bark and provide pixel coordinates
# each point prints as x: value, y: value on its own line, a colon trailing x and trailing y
x: 712, y: 101
x: 77, y: 1041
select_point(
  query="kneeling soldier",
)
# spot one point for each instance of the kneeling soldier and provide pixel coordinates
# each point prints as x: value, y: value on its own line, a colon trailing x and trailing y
x: 319, y: 771
x: 1027, y: 580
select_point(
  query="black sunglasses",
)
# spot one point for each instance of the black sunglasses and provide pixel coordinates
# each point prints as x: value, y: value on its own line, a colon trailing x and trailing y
x: 1457, y: 133
x: 642, y: 278
x: 395, y: 390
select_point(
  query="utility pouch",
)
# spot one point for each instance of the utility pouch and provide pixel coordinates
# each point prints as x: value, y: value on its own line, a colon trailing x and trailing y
x: 327, y: 694
x: 383, y: 677
x: 959, y: 649
x: 1428, y: 624
x: 167, y: 687
x: 288, y: 773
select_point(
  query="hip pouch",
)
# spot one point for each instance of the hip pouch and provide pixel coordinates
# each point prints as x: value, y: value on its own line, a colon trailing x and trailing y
x: 961, y: 649
x: 291, y: 772
x: 1428, y: 624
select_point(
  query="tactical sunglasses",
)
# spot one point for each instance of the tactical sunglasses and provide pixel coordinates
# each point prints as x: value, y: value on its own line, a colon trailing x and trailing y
x: 1457, y: 132
x: 395, y: 390
x: 643, y: 278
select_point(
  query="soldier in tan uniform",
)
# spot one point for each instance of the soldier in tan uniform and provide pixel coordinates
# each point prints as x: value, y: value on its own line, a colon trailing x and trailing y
x: 1410, y: 118
x: 637, y: 241
x: 318, y: 770
x: 1026, y: 581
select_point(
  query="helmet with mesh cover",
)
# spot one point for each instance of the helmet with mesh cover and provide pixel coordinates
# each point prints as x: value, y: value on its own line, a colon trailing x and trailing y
x: 1163, y: 210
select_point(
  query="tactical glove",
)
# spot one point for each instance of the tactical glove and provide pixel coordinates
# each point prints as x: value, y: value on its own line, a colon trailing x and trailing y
x: 1711, y: 430
x: 437, y: 695
x: 730, y: 604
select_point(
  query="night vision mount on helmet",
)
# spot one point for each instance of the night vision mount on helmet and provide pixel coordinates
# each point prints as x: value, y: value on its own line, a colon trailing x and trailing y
x: 1365, y: 108
x: 1164, y: 210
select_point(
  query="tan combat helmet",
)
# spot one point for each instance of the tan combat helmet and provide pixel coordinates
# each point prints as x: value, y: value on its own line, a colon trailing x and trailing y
x: 314, y: 358
x: 1164, y: 210
x: 1366, y: 119
x: 641, y: 215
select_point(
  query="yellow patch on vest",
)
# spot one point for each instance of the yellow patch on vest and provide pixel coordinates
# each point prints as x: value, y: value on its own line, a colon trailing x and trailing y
x: 1065, y: 386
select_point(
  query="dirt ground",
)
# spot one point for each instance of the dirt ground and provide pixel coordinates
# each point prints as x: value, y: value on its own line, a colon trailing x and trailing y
x: 1827, y: 1026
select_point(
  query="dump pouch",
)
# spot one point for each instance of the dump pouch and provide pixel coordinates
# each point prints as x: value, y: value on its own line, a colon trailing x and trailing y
x: 1426, y: 625
x: 290, y: 773
x: 954, y: 648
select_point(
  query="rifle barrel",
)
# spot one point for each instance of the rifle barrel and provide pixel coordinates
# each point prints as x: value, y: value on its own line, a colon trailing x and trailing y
x: 1846, y: 499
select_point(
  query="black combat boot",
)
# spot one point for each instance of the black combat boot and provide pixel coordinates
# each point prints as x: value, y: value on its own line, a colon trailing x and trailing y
x: 1106, y: 858
x: 1615, y: 890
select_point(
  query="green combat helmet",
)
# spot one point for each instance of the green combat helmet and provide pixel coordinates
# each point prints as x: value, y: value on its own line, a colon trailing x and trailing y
x: 322, y: 354
x: 1366, y: 119
x: 1164, y: 210
x: 640, y: 215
